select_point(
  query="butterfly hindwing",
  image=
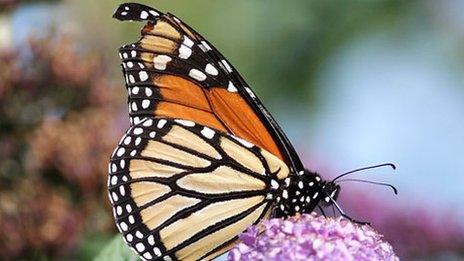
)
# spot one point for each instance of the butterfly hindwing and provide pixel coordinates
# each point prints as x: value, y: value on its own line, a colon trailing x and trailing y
x: 182, y: 190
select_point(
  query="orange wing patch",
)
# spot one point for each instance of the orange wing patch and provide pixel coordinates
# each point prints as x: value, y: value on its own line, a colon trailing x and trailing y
x: 241, y: 119
x: 171, y: 72
x: 216, y: 108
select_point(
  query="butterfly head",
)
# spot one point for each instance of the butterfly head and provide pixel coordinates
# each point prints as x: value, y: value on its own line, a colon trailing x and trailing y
x: 330, y: 191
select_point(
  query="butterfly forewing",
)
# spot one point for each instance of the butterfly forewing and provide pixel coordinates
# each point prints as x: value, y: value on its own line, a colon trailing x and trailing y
x: 182, y: 190
x: 172, y: 71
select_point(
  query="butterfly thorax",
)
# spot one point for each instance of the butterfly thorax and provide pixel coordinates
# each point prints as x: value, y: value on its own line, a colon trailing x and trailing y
x: 300, y: 193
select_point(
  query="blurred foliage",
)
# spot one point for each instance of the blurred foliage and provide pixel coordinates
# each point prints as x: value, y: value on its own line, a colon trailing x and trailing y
x: 62, y: 104
x: 61, y: 117
x: 116, y: 250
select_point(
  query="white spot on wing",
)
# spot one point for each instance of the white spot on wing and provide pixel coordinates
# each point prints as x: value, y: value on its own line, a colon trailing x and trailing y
x: 207, y: 132
x: 197, y: 75
x: 140, y: 247
x: 120, y: 152
x: 157, y: 251
x: 114, y: 180
x: 186, y: 123
x: 204, y: 46
x: 148, y: 91
x: 243, y: 142
x: 184, y: 52
x: 123, y: 226
x: 161, y: 123
x: 143, y: 76
x: 231, y: 87
x: 148, y: 123
x: 160, y: 61
x: 210, y: 69
x: 147, y: 255
x: 134, y: 106
x: 151, y: 240
x: 135, y: 90
x: 143, y: 15
x: 226, y: 64
x: 188, y: 41
x: 250, y: 92
x: 145, y: 104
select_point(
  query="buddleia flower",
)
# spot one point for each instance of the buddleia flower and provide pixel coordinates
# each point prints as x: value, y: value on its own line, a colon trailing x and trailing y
x: 311, y: 237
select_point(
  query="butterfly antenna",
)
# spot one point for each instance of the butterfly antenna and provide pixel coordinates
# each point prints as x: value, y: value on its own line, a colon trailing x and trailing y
x: 372, y: 182
x: 365, y: 168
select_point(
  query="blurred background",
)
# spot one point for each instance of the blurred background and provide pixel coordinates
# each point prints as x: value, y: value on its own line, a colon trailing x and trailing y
x: 353, y: 83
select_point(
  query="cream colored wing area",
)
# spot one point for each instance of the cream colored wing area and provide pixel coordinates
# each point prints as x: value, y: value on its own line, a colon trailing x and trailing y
x: 158, y: 150
x: 201, y: 247
x: 163, y: 28
x: 145, y: 192
x: 242, y: 155
x: 144, y: 169
x: 221, y: 250
x: 181, y: 190
x: 157, y: 44
x: 180, y: 136
x: 223, y: 179
x: 276, y: 165
x: 155, y: 215
x: 184, y: 229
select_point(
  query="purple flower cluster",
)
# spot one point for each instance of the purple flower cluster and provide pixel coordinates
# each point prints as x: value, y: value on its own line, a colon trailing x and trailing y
x: 311, y: 237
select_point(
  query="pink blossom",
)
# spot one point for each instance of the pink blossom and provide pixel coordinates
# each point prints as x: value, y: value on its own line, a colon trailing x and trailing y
x: 311, y: 237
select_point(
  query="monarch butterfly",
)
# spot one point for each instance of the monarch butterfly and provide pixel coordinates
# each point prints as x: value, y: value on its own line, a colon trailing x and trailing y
x: 203, y: 159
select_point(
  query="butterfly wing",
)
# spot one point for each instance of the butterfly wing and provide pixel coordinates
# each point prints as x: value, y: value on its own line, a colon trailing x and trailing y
x: 182, y: 190
x: 172, y: 71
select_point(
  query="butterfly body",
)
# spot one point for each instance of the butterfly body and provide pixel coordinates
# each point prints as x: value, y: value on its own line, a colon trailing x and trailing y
x: 203, y: 159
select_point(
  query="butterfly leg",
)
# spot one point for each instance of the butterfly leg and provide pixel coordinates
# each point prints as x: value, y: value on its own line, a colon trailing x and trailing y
x: 343, y: 214
x: 322, y: 211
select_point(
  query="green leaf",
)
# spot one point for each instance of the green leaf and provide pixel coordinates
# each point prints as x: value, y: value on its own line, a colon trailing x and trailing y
x: 116, y: 250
